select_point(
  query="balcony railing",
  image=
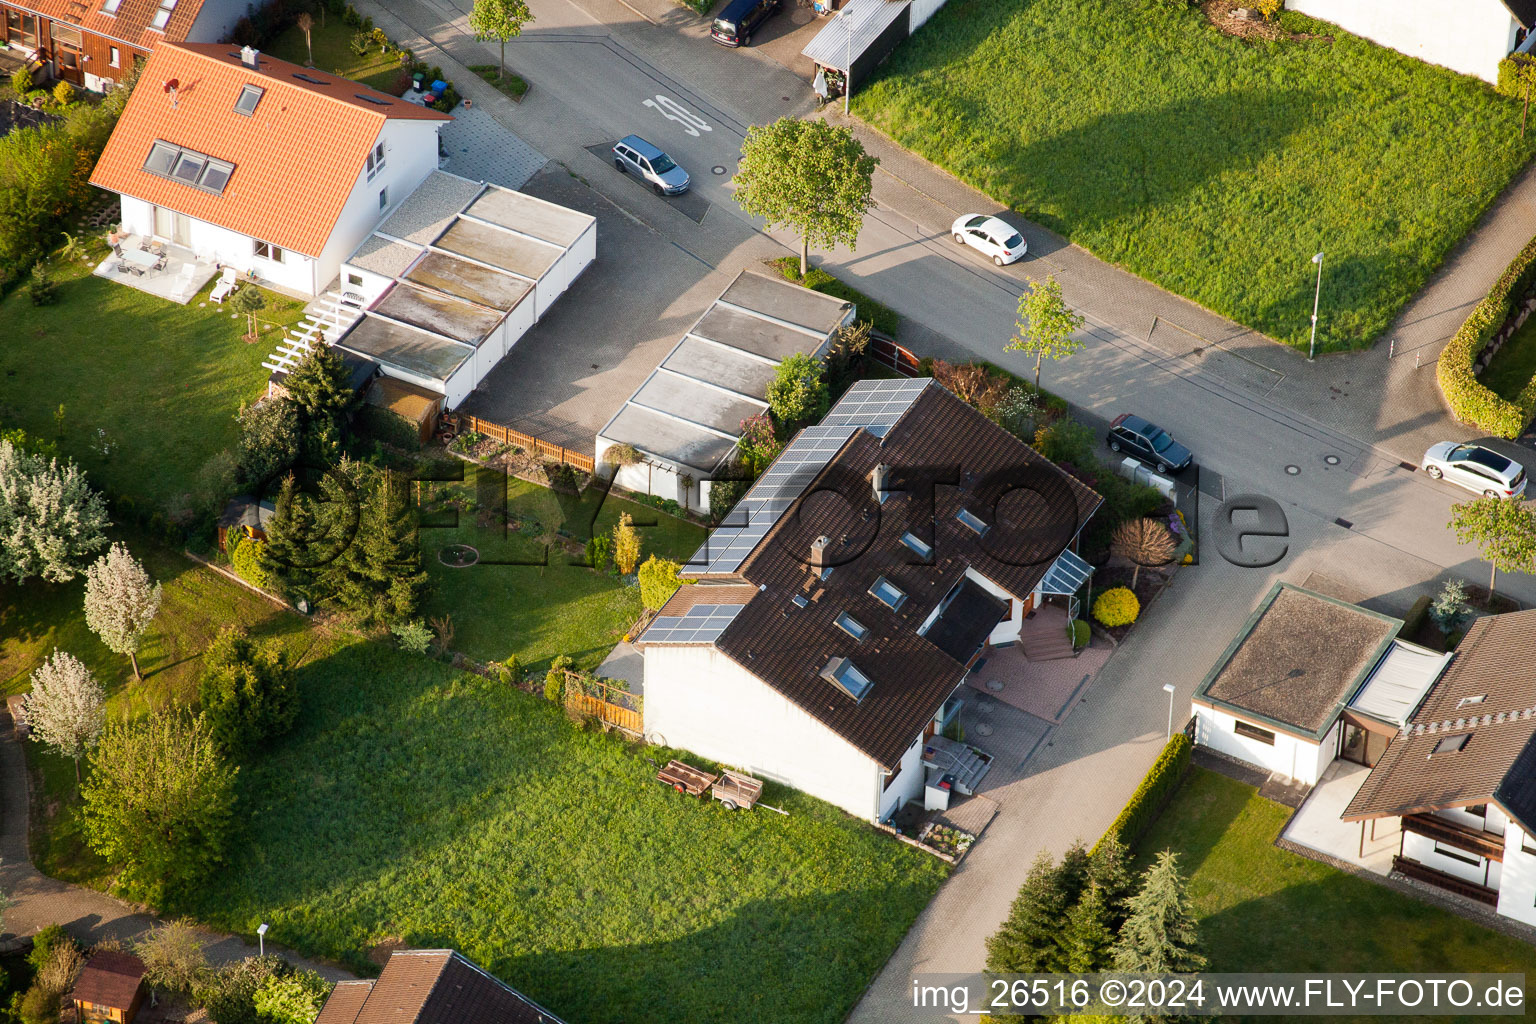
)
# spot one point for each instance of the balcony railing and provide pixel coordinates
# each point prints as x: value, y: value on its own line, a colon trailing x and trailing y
x: 1474, y: 841
x: 1450, y: 883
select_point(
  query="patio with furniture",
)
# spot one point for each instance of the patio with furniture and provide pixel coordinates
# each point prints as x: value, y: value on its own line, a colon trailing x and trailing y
x: 167, y: 271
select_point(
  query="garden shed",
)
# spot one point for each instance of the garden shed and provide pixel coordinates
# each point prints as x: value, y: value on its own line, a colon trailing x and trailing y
x: 415, y: 406
x: 109, y: 989
x: 245, y: 514
x: 864, y: 33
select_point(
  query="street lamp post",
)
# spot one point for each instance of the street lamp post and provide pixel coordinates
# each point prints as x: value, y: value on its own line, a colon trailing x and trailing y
x: 1312, y: 345
x: 1168, y: 689
x: 261, y: 937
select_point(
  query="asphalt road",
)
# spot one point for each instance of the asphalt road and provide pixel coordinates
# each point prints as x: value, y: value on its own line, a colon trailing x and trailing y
x: 1328, y: 440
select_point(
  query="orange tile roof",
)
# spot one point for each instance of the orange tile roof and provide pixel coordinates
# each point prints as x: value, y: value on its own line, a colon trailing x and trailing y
x: 296, y: 159
x: 129, y: 23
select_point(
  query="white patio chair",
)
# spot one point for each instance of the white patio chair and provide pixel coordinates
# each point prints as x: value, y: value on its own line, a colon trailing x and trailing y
x: 228, y: 278
x: 185, y: 278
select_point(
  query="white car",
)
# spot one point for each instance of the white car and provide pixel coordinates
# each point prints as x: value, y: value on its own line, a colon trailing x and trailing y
x: 995, y: 238
x: 1476, y: 468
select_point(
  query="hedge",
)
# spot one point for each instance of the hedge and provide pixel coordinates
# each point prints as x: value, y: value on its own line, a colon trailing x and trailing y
x: 1150, y: 797
x: 1415, y: 617
x: 1470, y: 400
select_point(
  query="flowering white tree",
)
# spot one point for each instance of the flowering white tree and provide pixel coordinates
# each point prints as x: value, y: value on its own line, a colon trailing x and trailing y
x: 50, y: 519
x: 65, y: 707
x: 120, y: 601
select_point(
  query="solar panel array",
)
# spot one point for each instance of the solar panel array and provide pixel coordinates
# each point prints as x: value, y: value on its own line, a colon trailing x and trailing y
x: 701, y: 625
x: 872, y: 405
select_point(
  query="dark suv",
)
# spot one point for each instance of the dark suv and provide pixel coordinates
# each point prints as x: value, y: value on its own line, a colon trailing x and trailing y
x: 735, y: 25
x: 1147, y: 442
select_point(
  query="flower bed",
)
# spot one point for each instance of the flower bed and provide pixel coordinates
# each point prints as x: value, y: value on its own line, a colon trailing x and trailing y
x: 951, y: 842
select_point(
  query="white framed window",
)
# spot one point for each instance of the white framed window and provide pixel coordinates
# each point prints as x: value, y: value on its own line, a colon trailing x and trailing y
x: 113, y: 57
x: 355, y: 280
x: 111, y: 6
x: 268, y: 251
x: 384, y: 197
x: 1253, y: 732
x: 375, y: 160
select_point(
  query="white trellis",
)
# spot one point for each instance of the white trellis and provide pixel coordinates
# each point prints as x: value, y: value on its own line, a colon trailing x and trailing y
x: 326, y: 320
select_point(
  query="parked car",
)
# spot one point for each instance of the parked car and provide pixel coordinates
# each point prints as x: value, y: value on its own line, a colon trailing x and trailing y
x: 735, y: 25
x: 1148, y: 442
x: 1476, y: 468
x: 633, y: 155
x: 994, y: 238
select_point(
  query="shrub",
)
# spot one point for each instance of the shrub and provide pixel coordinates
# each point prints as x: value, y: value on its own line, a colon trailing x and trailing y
x: 247, y: 559
x: 1067, y: 440
x: 554, y: 679
x: 1450, y: 609
x: 230, y: 997
x: 63, y: 94
x: 45, y: 943
x: 510, y: 671
x: 623, y: 455
x: 359, y: 44
x: 798, y: 391
x: 723, y: 496
x: 626, y: 545
x: 1470, y: 400
x: 881, y: 317
x: 269, y: 440
x: 247, y: 691
x: 1117, y: 606
x: 600, y: 552
x: 39, y: 1006
x: 758, y: 443
x: 1081, y: 633
x: 413, y: 636
x: 1156, y: 788
x: 41, y: 288
x: 21, y: 81
x: 659, y: 580
x: 1269, y: 8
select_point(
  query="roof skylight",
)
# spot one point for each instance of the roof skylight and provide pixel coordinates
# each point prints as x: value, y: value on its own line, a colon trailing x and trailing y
x: 188, y: 167
x: 1451, y: 744
x: 842, y: 673
x: 919, y: 547
x: 250, y: 95
x: 163, y: 15
x: 852, y: 626
x: 973, y: 522
x: 888, y: 593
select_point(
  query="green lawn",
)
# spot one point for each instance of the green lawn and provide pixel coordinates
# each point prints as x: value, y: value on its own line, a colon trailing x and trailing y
x: 525, y: 596
x: 1515, y: 364
x: 149, y: 389
x: 1265, y: 909
x: 333, y: 54
x: 1213, y: 166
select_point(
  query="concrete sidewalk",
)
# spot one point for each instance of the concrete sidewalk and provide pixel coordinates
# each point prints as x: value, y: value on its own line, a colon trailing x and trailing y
x: 90, y: 916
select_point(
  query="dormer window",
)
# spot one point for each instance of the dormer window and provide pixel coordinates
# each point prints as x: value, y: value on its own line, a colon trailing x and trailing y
x: 917, y: 545
x: 852, y: 626
x: 888, y: 594
x: 1451, y: 744
x: 250, y: 95
x: 163, y: 15
x: 842, y: 673
x: 972, y: 522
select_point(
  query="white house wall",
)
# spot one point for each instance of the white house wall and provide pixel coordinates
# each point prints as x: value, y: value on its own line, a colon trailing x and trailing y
x: 1517, y: 881
x: 662, y: 480
x: 1470, y: 36
x: 1295, y: 758
x: 1422, y: 849
x: 1007, y: 631
x: 216, y: 20
x: 907, y: 784
x: 698, y: 699
x: 213, y: 244
x: 920, y: 12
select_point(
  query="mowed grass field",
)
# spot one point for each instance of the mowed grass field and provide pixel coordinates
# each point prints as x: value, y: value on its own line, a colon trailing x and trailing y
x: 1262, y: 908
x: 1213, y: 166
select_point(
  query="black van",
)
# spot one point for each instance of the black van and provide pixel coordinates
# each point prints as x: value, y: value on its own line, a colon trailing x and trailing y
x: 740, y: 19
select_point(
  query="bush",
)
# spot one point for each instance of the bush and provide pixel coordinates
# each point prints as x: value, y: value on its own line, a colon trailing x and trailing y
x: 39, y: 1006
x: 623, y: 455
x: 40, y: 287
x: 1081, y: 633
x: 600, y: 552
x: 246, y: 691
x: 1117, y: 606
x: 1067, y: 440
x: 510, y: 671
x: 21, y: 81
x: 1153, y: 794
x: 249, y: 564
x: 554, y: 679
x: 1269, y: 8
x: 63, y: 94
x: 883, y: 318
x: 231, y: 997
x: 1450, y: 609
x: 723, y: 496
x: 45, y: 943
x: 413, y: 636
x: 269, y: 440
x: 659, y: 580
x: 1470, y: 400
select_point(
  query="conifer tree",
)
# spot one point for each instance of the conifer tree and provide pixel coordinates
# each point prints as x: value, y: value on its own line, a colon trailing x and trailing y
x: 379, y: 575
x: 320, y: 386
x: 1030, y: 939
x: 1159, y: 935
x: 1089, y: 938
x: 1109, y: 870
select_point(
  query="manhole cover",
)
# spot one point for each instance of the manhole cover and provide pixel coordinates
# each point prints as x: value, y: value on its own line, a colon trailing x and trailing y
x: 458, y: 555
x: 983, y: 729
x: 1293, y: 470
x: 1332, y: 460
x: 995, y: 685
x: 984, y: 706
x: 718, y: 169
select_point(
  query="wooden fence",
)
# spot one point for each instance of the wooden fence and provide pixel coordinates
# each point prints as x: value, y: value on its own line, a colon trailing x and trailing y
x: 527, y: 442
x: 603, y: 701
x: 885, y: 351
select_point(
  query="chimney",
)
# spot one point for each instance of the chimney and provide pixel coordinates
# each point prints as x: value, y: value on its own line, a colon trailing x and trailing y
x: 248, y: 56
x: 878, y: 478
x: 819, y: 552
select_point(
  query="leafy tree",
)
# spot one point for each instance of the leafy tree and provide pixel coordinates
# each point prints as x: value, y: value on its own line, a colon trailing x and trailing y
x: 231, y: 996
x: 758, y: 445
x: 798, y: 391
x: 320, y: 387
x: 173, y: 957
x: 50, y: 519
x: 65, y: 707
x: 1046, y: 325
x: 1450, y: 607
x: 1159, y: 935
x: 1506, y: 530
x: 291, y: 999
x: 120, y: 602
x: 809, y: 176
x: 269, y: 440
x: 378, y: 575
x: 499, y: 20
x: 159, y: 803
x: 626, y: 544
x: 659, y: 580
x: 306, y: 23
x: 247, y: 691
x: 248, y: 301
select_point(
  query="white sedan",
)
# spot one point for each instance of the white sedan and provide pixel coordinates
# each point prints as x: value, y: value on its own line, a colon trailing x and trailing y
x: 1476, y: 468
x: 996, y: 239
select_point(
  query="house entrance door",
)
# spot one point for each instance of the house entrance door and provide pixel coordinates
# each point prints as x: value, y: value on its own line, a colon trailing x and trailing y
x: 172, y: 226
x: 1362, y: 746
x: 67, y: 63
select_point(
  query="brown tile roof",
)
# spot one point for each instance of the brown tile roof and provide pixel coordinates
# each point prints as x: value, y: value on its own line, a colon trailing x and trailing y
x: 109, y: 979
x: 938, y: 437
x: 296, y: 158
x: 1498, y: 761
x: 130, y: 23
x: 1298, y: 659
x: 706, y: 592
x: 432, y: 986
